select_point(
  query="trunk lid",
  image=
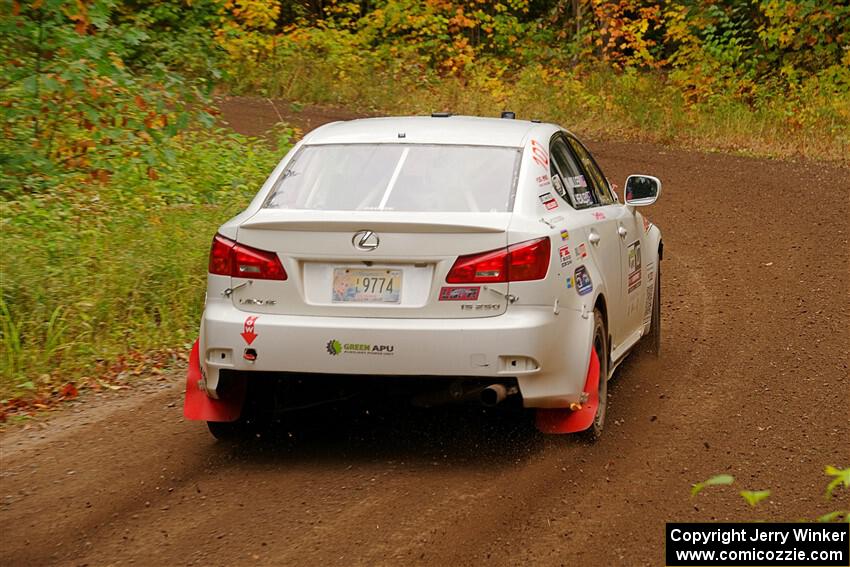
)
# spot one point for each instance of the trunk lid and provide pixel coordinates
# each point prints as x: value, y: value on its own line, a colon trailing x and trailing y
x: 403, y: 276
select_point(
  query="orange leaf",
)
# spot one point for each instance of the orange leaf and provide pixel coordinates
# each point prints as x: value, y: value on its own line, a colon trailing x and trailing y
x: 69, y: 391
x: 152, y: 174
x: 101, y: 175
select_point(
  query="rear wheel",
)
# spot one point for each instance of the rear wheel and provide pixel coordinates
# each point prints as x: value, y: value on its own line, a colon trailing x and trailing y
x: 227, y: 430
x: 600, y: 346
x: 258, y: 404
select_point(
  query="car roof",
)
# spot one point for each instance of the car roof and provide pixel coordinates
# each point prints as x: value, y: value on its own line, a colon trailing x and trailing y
x: 460, y: 130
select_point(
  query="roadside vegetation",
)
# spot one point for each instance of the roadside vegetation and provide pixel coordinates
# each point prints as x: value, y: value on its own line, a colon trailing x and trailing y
x: 838, y: 484
x: 113, y: 172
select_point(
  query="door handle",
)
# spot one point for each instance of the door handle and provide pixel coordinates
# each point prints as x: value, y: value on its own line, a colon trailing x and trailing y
x: 594, y: 237
x: 622, y: 232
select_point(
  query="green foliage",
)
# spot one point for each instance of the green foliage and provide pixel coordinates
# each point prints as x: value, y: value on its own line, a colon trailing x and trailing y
x: 71, y: 108
x: 175, y: 34
x: 124, y: 267
x: 718, y: 480
x: 841, y: 478
x: 753, y: 497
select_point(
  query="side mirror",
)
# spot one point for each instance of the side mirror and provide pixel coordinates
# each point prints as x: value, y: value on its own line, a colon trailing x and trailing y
x: 642, y: 190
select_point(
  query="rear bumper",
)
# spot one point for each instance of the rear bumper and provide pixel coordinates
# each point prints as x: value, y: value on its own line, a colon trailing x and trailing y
x: 547, y: 353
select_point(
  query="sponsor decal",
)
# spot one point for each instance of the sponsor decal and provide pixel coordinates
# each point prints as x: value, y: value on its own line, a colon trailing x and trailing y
x: 598, y: 215
x: 566, y: 258
x: 542, y: 180
x: 251, y: 301
x: 248, y: 333
x: 570, y: 282
x: 634, y: 304
x: 565, y: 234
x: 559, y: 185
x: 336, y: 348
x: 548, y: 201
x: 583, y: 283
x: 539, y: 154
x: 634, y: 266
x: 646, y: 224
x: 556, y: 220
x: 583, y: 198
x: 582, y: 250
x: 481, y: 307
x: 577, y: 181
x: 459, y: 293
x: 650, y: 293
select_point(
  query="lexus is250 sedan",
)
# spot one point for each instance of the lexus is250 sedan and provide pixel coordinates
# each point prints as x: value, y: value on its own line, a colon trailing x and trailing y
x: 488, y: 258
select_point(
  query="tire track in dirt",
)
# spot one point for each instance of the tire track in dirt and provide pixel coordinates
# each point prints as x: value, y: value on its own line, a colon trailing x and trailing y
x: 752, y: 381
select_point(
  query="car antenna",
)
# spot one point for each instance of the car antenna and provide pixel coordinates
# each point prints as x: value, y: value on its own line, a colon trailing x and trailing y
x: 508, y: 114
x: 440, y: 114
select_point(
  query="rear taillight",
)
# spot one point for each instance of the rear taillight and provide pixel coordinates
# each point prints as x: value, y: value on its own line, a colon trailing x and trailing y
x: 227, y: 258
x: 519, y: 262
x: 221, y: 256
x: 528, y: 260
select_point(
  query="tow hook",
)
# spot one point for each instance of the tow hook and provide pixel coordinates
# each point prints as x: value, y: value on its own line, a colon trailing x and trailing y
x: 250, y: 355
x: 575, y: 406
x: 511, y: 298
x: 229, y: 291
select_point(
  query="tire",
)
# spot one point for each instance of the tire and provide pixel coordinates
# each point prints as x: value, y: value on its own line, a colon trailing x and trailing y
x: 653, y: 338
x: 256, y: 416
x: 600, y: 345
x: 227, y: 430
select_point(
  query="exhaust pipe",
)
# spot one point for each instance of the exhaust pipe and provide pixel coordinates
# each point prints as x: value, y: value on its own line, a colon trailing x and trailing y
x: 456, y: 392
x: 495, y: 394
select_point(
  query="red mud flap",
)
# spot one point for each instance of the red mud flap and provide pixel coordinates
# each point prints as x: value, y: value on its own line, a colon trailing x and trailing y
x: 566, y: 420
x: 197, y: 405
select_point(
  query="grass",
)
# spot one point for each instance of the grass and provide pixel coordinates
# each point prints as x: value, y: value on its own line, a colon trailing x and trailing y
x: 92, y: 274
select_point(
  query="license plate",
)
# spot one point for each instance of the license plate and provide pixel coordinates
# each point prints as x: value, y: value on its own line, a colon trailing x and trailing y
x: 366, y: 286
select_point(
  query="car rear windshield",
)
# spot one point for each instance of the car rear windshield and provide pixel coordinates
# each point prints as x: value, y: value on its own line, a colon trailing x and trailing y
x: 398, y: 177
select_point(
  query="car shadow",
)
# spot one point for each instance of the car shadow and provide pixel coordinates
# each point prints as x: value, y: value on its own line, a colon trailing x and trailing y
x: 455, y: 435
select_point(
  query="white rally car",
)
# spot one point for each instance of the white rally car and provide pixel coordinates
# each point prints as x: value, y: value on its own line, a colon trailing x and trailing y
x: 490, y: 255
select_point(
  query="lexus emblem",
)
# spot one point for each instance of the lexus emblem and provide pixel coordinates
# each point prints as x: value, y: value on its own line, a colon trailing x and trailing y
x: 365, y: 240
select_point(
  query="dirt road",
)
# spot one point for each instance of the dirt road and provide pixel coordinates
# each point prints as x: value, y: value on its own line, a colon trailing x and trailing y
x: 753, y: 381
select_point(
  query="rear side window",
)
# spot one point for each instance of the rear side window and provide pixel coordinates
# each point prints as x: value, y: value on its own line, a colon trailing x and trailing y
x: 398, y: 177
x: 593, y: 171
x: 567, y: 177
